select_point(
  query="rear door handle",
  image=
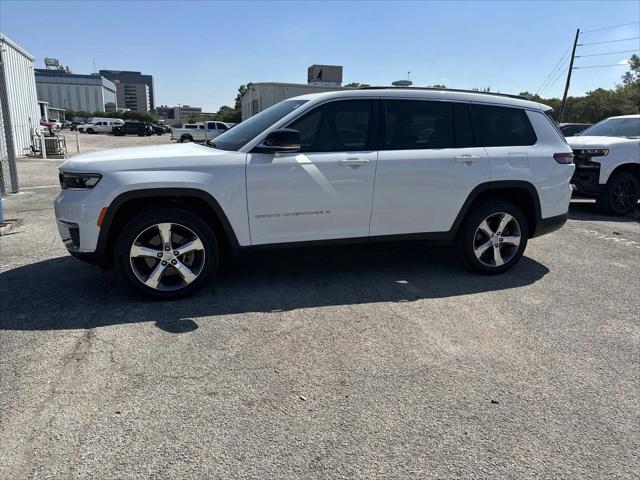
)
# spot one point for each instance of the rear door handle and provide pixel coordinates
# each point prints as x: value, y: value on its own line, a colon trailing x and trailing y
x: 467, y: 158
x: 351, y: 162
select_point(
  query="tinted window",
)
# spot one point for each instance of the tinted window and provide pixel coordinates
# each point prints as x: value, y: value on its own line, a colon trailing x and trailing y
x: 463, y: 129
x: 418, y: 125
x: 501, y: 126
x: 221, y: 126
x: 338, y: 127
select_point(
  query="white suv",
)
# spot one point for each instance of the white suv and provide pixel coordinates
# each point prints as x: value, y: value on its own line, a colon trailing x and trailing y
x: 607, y: 158
x: 368, y: 165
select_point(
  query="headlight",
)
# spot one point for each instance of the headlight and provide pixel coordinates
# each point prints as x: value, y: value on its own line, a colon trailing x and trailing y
x: 78, y: 181
x: 594, y: 152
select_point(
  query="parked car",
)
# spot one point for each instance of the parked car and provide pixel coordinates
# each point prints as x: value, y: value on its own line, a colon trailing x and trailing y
x: 67, y: 124
x: 607, y: 157
x: 133, y: 128
x: 571, y: 129
x: 103, y: 126
x: 74, y: 126
x: 198, y: 132
x: 157, y: 129
x: 317, y: 169
x: 50, y: 125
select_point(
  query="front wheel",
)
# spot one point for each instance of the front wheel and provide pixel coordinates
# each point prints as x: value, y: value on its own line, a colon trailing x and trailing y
x: 166, y: 254
x: 494, y: 237
x: 621, y: 194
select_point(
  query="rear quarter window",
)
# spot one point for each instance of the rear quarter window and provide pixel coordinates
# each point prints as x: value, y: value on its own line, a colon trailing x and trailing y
x: 501, y: 126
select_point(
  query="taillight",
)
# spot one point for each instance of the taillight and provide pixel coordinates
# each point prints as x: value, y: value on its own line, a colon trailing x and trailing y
x: 563, y: 157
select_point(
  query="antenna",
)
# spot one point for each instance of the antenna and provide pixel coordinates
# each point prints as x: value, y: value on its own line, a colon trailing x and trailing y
x: 94, y: 65
x: 408, y: 75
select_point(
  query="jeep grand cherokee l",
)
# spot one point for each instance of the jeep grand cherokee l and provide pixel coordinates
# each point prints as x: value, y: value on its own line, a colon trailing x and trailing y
x: 487, y: 172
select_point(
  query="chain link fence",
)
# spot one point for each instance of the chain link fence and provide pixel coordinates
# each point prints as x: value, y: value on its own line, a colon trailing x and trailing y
x: 8, y: 169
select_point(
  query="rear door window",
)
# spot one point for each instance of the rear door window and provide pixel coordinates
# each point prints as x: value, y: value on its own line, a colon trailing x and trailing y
x: 501, y: 126
x: 413, y: 125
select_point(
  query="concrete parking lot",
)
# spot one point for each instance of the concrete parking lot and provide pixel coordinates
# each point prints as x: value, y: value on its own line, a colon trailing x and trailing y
x: 100, y: 141
x: 376, y: 363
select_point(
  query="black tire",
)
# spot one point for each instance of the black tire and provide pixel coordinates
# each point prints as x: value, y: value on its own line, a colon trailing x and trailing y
x: 90, y: 131
x: 142, y: 133
x: 186, y: 138
x: 472, y: 237
x: 176, y: 217
x: 620, y: 195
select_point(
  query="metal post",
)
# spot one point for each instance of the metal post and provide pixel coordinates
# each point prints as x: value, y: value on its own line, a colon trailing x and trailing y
x: 43, y: 147
x: 566, y: 86
x: 78, y: 141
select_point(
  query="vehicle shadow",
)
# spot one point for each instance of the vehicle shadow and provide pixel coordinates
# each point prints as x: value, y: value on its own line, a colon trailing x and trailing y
x: 64, y: 293
x: 582, y: 210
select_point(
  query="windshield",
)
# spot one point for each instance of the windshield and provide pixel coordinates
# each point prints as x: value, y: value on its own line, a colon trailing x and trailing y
x: 238, y: 136
x: 615, y: 127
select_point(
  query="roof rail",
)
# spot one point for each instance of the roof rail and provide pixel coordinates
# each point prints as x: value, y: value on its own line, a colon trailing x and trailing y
x: 444, y: 90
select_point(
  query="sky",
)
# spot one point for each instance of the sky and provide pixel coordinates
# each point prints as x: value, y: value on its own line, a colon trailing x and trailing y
x: 199, y: 52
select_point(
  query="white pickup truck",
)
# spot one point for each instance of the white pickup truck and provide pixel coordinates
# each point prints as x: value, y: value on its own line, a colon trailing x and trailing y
x: 198, y: 132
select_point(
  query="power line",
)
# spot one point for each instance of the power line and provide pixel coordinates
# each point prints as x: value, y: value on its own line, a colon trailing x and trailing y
x: 553, y: 70
x: 608, y: 65
x: 555, y: 79
x: 608, y: 41
x: 606, y: 53
x: 612, y: 26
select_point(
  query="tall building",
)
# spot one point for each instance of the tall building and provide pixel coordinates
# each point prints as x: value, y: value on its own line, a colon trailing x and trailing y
x: 90, y: 93
x: 131, y: 89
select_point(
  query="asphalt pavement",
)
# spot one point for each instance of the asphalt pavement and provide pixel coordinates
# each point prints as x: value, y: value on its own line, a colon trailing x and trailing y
x: 361, y: 364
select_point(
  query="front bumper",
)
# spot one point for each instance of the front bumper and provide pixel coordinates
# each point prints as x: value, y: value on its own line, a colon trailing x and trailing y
x: 586, y: 177
x: 76, y: 214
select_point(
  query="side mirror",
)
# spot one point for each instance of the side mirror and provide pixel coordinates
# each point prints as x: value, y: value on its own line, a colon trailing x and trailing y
x: 281, y: 140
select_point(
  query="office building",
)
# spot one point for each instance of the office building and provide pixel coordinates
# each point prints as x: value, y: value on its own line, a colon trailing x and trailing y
x: 176, y: 115
x: 89, y: 93
x: 131, y: 89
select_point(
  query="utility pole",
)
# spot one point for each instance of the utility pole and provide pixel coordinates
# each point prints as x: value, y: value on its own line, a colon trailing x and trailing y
x: 566, y: 86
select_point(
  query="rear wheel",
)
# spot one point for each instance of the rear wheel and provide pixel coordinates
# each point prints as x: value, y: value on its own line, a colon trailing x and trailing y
x: 494, y: 237
x: 168, y: 253
x: 90, y: 130
x: 186, y: 138
x: 621, y: 194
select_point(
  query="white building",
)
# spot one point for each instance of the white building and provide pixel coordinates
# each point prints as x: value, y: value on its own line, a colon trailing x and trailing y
x: 262, y: 95
x: 19, y: 111
x: 89, y: 93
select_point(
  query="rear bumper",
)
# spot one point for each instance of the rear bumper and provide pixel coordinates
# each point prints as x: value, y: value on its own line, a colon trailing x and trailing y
x: 548, y: 225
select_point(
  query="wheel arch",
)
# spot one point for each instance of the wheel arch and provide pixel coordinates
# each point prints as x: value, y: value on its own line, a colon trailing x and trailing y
x: 129, y: 204
x: 521, y: 193
x: 633, y: 168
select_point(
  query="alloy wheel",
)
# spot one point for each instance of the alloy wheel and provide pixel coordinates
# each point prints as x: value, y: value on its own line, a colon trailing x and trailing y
x: 167, y: 256
x: 625, y: 196
x: 497, y: 239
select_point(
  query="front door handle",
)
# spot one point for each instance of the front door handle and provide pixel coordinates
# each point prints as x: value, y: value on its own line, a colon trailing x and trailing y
x: 353, y: 162
x: 468, y: 159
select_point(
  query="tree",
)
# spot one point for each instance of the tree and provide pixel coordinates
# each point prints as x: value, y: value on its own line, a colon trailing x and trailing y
x: 357, y: 85
x: 632, y: 77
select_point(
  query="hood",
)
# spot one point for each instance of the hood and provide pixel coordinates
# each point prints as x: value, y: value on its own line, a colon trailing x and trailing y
x: 588, y: 141
x: 146, y: 158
